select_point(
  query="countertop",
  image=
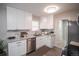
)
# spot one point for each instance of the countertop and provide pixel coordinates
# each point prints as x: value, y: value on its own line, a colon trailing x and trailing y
x: 28, y: 37
x: 18, y: 39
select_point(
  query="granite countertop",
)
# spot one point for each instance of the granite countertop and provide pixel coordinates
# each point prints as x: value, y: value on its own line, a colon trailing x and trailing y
x: 46, y: 35
x: 18, y: 39
x: 28, y: 37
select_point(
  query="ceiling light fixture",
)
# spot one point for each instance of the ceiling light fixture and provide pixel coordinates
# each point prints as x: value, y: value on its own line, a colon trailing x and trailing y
x: 51, y: 9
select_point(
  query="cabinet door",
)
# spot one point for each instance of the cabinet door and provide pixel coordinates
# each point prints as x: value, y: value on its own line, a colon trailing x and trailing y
x: 48, y: 41
x: 20, y: 16
x: 39, y: 42
x: 18, y: 19
x: 50, y: 21
x: 21, y: 47
x: 43, y: 23
x: 11, y: 18
x: 28, y: 20
x: 46, y: 22
x: 17, y: 48
x: 12, y: 49
x: 44, y: 40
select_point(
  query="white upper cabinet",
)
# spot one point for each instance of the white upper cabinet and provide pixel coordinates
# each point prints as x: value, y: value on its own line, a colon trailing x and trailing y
x: 18, y: 19
x: 50, y: 22
x: 46, y: 22
x: 11, y: 18
x: 43, y: 23
x: 28, y: 20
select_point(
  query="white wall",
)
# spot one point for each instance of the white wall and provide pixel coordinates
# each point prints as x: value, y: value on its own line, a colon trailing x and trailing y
x: 3, y: 22
x: 70, y: 15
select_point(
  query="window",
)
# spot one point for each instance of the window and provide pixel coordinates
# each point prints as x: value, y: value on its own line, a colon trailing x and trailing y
x: 35, y: 25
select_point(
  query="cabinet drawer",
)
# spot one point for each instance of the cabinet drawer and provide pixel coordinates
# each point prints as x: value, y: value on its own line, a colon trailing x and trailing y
x: 20, y: 42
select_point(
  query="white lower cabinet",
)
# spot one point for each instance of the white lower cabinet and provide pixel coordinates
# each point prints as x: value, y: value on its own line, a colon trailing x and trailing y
x: 39, y: 42
x: 49, y: 41
x: 17, y: 48
x: 44, y: 40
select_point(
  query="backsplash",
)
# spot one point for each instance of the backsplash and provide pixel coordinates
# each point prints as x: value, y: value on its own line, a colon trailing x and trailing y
x: 17, y: 34
x: 47, y: 30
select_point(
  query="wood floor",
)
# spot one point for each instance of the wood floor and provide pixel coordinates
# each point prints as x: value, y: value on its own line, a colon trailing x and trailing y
x: 45, y: 51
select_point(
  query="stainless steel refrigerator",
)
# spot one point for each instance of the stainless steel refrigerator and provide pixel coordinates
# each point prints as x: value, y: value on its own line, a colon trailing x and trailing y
x: 73, y: 31
x: 72, y: 27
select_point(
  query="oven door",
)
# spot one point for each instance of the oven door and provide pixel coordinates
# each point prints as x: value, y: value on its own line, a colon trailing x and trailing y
x: 31, y: 45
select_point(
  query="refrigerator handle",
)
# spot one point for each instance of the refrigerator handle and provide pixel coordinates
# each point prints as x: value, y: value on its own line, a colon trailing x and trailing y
x: 78, y: 20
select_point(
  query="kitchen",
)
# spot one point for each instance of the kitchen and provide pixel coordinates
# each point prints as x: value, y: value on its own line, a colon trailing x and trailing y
x: 26, y: 25
x: 25, y: 30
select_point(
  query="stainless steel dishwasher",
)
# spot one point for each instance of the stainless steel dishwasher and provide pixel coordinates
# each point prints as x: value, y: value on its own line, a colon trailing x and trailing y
x: 31, y: 45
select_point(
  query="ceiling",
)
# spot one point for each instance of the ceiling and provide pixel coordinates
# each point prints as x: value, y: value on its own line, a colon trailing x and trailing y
x: 37, y: 8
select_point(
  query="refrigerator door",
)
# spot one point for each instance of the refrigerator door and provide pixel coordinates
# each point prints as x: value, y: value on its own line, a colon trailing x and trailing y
x: 73, y: 31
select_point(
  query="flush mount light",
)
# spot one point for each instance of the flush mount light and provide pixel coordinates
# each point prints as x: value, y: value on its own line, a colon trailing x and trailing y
x: 51, y: 9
